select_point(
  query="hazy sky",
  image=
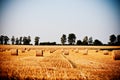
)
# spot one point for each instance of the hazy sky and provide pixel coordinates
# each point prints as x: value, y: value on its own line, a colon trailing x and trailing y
x: 49, y: 19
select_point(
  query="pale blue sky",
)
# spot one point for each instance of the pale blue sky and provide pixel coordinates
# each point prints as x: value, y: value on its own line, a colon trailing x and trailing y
x: 49, y: 19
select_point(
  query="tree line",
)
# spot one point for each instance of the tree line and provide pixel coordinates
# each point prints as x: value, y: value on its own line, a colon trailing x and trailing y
x: 113, y: 40
x: 71, y: 39
x: 18, y: 41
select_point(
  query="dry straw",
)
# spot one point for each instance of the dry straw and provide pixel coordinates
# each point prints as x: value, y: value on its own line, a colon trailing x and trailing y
x: 85, y: 52
x: 97, y: 50
x: 1, y: 50
x: 105, y: 52
x: 52, y: 50
x: 76, y: 51
x: 14, y: 52
x: 39, y: 53
x: 28, y: 49
x: 116, y: 54
x: 23, y: 50
x: 66, y: 52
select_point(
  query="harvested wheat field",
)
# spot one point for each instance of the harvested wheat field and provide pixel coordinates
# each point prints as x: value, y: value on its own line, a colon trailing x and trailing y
x: 19, y: 62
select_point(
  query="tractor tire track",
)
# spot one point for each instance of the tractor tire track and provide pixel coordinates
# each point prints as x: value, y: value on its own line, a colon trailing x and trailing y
x: 73, y: 65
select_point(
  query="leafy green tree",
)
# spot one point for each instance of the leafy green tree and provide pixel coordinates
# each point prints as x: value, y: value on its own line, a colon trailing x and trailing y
x: 13, y: 40
x: 90, y: 40
x: 37, y: 40
x: 6, y: 39
x: 63, y: 39
x: 28, y: 40
x: 85, y: 40
x: 118, y: 40
x: 17, y: 41
x: 1, y: 39
x: 97, y: 42
x: 112, y: 39
x: 21, y: 39
x: 79, y: 42
x: 25, y: 42
x: 71, y: 38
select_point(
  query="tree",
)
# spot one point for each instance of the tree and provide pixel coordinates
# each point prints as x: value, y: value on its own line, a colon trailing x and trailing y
x: 112, y: 39
x: 37, y: 40
x: 25, y: 41
x: 21, y: 39
x: 1, y: 39
x: 13, y: 40
x: 6, y: 39
x: 90, y: 40
x: 63, y: 39
x: 48, y: 43
x: 118, y: 40
x: 29, y: 40
x: 85, y: 40
x: 17, y: 41
x: 97, y: 42
x: 79, y: 42
x: 71, y: 38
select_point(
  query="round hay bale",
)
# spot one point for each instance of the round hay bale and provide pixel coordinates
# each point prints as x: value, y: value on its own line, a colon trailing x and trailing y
x: 105, y: 52
x: 52, y: 50
x: 8, y: 49
x: 85, y: 52
x: 23, y: 50
x: 28, y: 49
x: 66, y: 52
x: 76, y: 51
x: 97, y: 50
x: 14, y: 52
x: 61, y: 51
x: 39, y: 53
x: 116, y: 55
